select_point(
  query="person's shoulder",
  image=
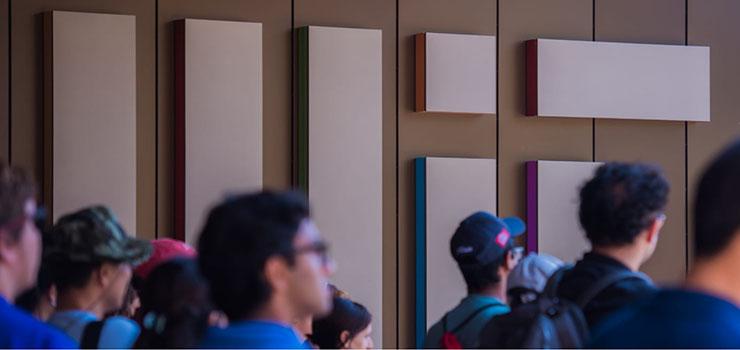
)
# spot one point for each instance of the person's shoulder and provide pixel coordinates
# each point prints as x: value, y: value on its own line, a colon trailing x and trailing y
x: 119, y: 332
x: 34, y: 333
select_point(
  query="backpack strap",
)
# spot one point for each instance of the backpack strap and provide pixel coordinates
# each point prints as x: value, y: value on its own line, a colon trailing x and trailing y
x: 91, y: 335
x: 551, y: 288
x: 467, y: 319
x: 601, y: 284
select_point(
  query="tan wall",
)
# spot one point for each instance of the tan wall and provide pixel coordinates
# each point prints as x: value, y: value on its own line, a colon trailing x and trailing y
x: 682, y: 149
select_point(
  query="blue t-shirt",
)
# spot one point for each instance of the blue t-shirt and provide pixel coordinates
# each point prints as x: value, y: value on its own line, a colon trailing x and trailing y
x: 469, y: 334
x: 117, y: 332
x: 673, y: 318
x: 18, y: 329
x: 252, y: 335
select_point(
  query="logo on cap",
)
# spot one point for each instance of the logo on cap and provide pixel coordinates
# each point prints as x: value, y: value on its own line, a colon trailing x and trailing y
x: 502, y: 238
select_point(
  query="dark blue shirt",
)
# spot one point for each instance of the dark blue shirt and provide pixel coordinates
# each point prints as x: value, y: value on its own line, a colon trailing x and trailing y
x: 18, y: 329
x: 672, y: 319
x: 252, y: 335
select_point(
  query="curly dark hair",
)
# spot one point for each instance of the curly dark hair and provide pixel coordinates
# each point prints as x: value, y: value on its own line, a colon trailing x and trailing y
x: 239, y: 236
x: 620, y: 201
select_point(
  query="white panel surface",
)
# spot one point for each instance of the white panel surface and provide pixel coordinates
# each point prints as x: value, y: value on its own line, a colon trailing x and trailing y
x: 559, y: 230
x: 460, y: 73
x: 621, y: 80
x: 455, y: 188
x: 223, y: 114
x: 93, y: 113
x: 345, y: 156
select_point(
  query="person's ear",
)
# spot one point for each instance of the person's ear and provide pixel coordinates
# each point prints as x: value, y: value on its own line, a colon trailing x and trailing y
x: 105, y: 274
x: 344, y: 339
x: 510, y: 260
x: 277, y: 272
x: 653, y: 231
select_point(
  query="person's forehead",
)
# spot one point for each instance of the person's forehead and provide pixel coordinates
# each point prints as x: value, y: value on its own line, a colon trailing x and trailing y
x: 308, y: 232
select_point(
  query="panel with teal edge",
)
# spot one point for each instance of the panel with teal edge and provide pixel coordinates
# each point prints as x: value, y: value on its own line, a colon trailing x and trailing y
x: 420, y: 185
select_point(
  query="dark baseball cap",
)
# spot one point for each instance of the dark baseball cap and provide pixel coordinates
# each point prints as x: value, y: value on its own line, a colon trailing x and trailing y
x: 94, y: 235
x: 482, y: 238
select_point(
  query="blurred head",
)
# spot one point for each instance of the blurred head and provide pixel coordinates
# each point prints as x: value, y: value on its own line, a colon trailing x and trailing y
x: 263, y: 249
x: 484, y: 250
x: 89, y: 253
x: 529, y: 277
x: 175, y: 306
x: 623, y: 205
x: 41, y: 299
x: 717, y: 207
x: 346, y: 327
x: 20, y: 240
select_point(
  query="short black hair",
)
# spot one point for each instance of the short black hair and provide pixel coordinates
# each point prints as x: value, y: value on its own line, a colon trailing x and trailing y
x: 717, y: 203
x: 479, y: 277
x: 620, y: 201
x: 238, y: 238
x: 346, y: 315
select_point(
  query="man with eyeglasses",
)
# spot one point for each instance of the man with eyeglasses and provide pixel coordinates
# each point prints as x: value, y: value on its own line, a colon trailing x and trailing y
x: 621, y: 210
x: 20, y: 257
x: 267, y: 266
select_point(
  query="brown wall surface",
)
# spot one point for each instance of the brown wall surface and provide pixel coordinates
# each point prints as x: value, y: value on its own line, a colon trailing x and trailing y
x: 681, y: 149
x: 4, y: 81
x: 714, y: 23
x: 656, y: 22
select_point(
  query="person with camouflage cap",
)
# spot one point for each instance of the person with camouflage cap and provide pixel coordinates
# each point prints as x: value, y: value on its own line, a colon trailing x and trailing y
x: 91, y: 259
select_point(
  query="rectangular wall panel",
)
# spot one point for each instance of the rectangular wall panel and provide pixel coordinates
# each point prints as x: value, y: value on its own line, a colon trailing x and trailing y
x: 568, y: 78
x: 340, y: 147
x: 218, y: 111
x: 447, y: 191
x: 90, y: 113
x: 553, y: 190
x: 455, y: 73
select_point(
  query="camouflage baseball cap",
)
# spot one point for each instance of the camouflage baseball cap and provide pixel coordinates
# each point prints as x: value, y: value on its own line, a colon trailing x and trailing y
x: 94, y: 235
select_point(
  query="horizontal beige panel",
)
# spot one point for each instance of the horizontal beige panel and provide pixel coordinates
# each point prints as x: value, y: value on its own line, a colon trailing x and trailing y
x: 90, y: 112
x: 553, y: 189
x: 567, y: 78
x: 218, y: 108
x: 456, y: 73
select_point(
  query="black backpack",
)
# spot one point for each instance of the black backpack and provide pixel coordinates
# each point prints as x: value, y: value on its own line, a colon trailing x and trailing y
x: 549, y: 322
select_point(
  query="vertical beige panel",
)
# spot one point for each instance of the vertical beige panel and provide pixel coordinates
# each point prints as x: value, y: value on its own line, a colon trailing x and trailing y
x: 345, y: 156
x: 455, y: 188
x: 275, y: 16
x: 4, y: 81
x: 714, y: 23
x: 379, y: 14
x: 658, y: 142
x: 92, y: 113
x: 432, y: 134
x: 222, y: 115
x: 521, y: 138
x: 26, y: 85
x: 559, y: 231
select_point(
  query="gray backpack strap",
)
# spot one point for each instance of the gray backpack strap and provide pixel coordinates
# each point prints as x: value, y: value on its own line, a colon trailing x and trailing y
x: 551, y: 288
x: 601, y: 284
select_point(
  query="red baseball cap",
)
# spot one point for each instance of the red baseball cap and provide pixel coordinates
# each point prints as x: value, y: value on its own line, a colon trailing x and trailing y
x: 165, y: 249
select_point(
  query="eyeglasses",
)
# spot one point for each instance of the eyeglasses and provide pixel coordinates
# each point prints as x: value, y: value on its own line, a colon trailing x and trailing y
x: 517, y: 252
x: 319, y: 248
